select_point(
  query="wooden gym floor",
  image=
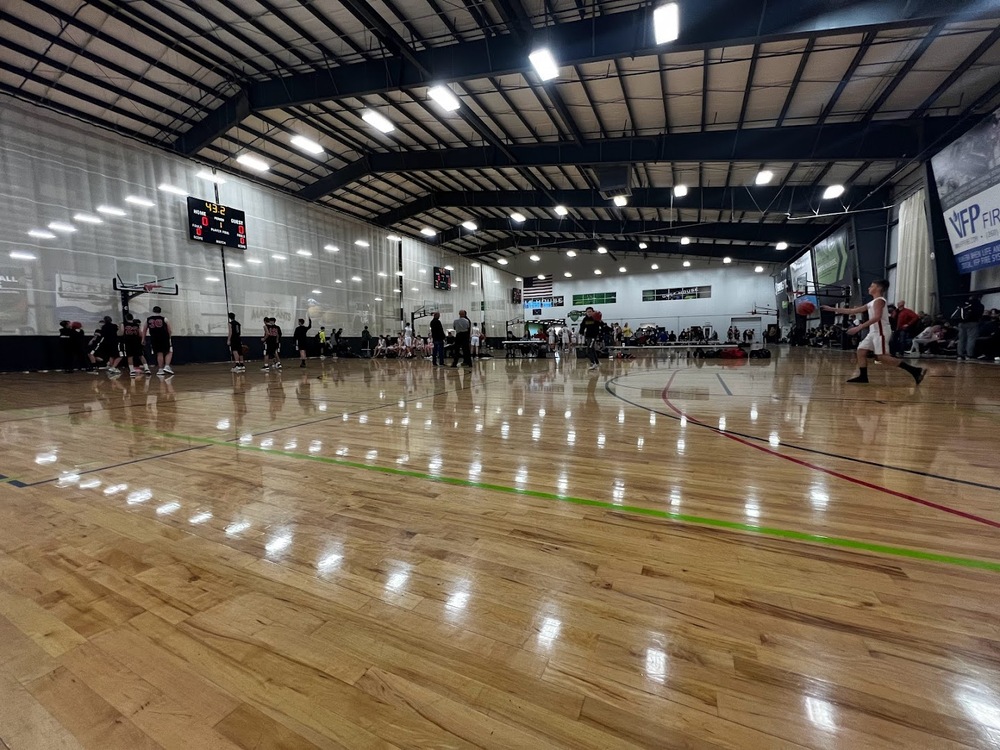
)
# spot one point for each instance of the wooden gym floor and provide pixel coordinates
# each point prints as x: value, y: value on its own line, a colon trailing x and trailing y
x: 522, y: 555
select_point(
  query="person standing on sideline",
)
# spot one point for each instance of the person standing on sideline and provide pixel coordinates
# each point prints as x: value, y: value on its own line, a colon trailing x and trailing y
x: 437, y: 339
x: 366, y: 341
x: 877, y: 340
x: 300, y: 339
x: 968, y: 315
x: 463, y: 336
x: 234, y: 338
x: 158, y: 330
x: 474, y: 340
x: 321, y: 337
x: 131, y: 335
x: 590, y: 331
x: 906, y: 319
x: 67, y: 343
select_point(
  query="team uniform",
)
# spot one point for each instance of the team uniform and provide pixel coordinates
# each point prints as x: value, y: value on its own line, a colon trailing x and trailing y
x: 272, y: 342
x: 236, y: 344
x: 132, y: 344
x: 300, y: 334
x: 158, y: 331
x: 877, y: 340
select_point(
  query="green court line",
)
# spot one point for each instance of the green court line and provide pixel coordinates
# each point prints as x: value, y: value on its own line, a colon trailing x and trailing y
x: 798, y: 536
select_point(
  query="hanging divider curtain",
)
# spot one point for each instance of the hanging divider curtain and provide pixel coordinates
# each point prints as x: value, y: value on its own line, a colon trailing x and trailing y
x: 915, y: 279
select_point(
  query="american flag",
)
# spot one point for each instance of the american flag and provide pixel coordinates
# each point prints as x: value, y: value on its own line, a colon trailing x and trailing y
x: 536, y: 288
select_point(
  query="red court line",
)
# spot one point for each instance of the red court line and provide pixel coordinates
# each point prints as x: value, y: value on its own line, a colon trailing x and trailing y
x: 831, y: 472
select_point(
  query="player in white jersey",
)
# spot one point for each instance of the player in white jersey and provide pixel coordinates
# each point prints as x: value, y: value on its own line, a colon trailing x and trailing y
x: 877, y: 341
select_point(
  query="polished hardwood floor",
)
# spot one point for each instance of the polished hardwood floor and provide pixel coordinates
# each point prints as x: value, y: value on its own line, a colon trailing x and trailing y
x: 667, y: 553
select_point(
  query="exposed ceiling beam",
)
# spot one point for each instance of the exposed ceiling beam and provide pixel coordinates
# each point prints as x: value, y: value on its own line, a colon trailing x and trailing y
x: 798, y: 234
x: 883, y: 140
x: 754, y: 199
x: 624, y: 248
x: 628, y: 34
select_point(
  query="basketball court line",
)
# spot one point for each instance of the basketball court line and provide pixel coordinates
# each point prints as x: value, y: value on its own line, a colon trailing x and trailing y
x: 723, y: 382
x: 830, y: 472
x: 794, y: 446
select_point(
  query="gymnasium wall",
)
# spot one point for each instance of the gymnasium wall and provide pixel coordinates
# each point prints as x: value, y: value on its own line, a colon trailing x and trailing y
x: 53, y: 167
x: 736, y: 289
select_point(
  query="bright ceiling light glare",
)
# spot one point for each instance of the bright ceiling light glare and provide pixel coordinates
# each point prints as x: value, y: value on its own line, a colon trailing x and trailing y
x: 337, y: 281
x: 561, y: 210
x: 680, y: 191
x: 571, y: 253
x: 278, y: 256
x: 212, y: 278
x: 622, y: 269
x: 61, y: 226
x: 544, y: 64
x: 254, y: 261
x: 383, y: 274
x: 643, y: 245
x: 474, y: 265
x: 360, y: 243
x: 781, y: 246
x: 667, y: 23
x: 400, y: 273
x: 518, y: 217
x: 449, y: 268
x: 396, y: 291
x: 110, y: 211
x: 534, y: 257
x: 379, y: 122
x: 87, y: 219
x: 598, y: 272
x: 306, y: 144
x: 428, y: 232
x: 21, y: 255
x: 758, y: 269
x: 137, y: 200
x: 444, y: 98
x: 763, y: 177
x: 316, y: 291
x: 685, y: 240
x: 686, y: 264
x: 567, y: 274
x: 171, y: 189
x: 41, y: 234
x: 541, y: 277
x: 378, y: 299
x: 331, y: 248
x: 833, y: 191
x: 355, y: 278
x: 304, y: 253
x: 206, y: 175
x: 473, y: 283
x: 655, y: 267
x: 727, y: 259
x: 252, y: 162
x: 602, y: 250
x: 502, y: 262
x: 470, y: 226
x: 394, y: 238
x: 620, y: 201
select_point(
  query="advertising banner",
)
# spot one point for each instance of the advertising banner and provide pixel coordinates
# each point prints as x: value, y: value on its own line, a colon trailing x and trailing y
x: 967, y: 175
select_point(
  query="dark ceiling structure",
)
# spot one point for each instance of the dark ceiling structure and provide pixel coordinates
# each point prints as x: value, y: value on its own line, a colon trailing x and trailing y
x: 848, y: 92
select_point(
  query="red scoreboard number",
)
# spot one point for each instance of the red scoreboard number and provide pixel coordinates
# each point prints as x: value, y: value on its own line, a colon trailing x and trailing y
x: 215, y: 223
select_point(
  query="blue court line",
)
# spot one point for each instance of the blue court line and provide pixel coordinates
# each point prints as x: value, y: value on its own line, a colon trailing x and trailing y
x: 728, y: 392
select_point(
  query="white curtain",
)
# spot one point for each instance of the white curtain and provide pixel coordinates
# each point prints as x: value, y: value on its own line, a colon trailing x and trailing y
x: 915, y: 277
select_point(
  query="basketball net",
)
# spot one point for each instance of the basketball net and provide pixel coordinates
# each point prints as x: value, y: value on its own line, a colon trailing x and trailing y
x: 151, y: 287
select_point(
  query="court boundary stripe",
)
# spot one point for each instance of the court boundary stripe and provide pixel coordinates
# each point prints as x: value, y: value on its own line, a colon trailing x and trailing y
x: 766, y: 531
x: 917, y: 472
x: 723, y: 382
x: 830, y: 472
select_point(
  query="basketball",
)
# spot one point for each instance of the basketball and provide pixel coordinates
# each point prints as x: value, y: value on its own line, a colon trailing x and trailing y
x: 805, y: 308
x: 76, y: 324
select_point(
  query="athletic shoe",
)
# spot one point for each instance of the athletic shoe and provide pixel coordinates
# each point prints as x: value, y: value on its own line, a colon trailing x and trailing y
x: 860, y: 379
x: 921, y: 372
x: 160, y: 373
x: 168, y: 370
x: 236, y: 368
x: 594, y: 367
x: 265, y: 368
x: 278, y: 366
x: 134, y: 373
x: 302, y: 364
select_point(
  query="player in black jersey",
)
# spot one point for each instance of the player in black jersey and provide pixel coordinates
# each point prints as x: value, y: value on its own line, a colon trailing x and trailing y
x: 158, y: 330
x: 300, y: 340
x: 272, y: 344
x: 131, y: 335
x: 235, y: 341
x: 107, y: 346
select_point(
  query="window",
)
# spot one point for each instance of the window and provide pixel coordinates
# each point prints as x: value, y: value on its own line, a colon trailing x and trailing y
x: 681, y: 292
x: 599, y: 298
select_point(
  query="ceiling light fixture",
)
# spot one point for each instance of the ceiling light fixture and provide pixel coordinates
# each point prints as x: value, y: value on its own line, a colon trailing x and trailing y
x: 833, y: 191
x: 306, y: 144
x: 763, y: 177
x: 304, y: 253
x: 686, y: 264
x: 518, y: 217
x: 394, y: 238
x: 449, y: 268
x: 474, y: 265
x: 428, y: 232
x: 561, y: 210
x: 571, y: 253
x: 206, y: 175
x: 622, y: 269
x: 655, y: 267
x: 598, y: 272
x: 727, y: 259
x: 758, y: 269
x: 567, y: 274
x: 110, y: 211
x: 444, y: 97
x: 378, y: 299
x: 535, y: 258
x: 502, y: 262
x: 383, y: 274
x: 377, y: 121
x: 87, y: 219
x: 355, y: 278
x: 667, y: 23
x: 361, y: 243
x: 252, y: 162
x: 278, y: 256
x: 60, y: 226
x: 41, y: 234
x: 254, y: 261
x: 680, y: 191
x: 781, y: 246
x: 544, y: 64
x: 136, y: 200
x: 470, y: 225
x: 620, y: 201
x: 21, y: 255
x: 171, y: 189
x: 331, y: 248
x: 541, y: 277
x: 643, y: 245
x: 316, y: 291
x: 685, y: 240
x: 602, y: 250
x: 212, y: 278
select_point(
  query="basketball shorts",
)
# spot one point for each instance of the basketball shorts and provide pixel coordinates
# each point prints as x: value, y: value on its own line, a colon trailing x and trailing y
x: 236, y: 344
x: 408, y: 342
x: 106, y: 351
x: 133, y: 349
x: 271, y: 347
x: 873, y: 342
x: 160, y: 346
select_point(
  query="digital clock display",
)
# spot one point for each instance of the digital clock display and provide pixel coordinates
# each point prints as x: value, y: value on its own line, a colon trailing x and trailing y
x: 216, y: 224
x: 442, y: 278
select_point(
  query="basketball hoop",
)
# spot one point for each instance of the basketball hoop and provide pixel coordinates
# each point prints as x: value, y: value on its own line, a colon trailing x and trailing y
x: 151, y: 287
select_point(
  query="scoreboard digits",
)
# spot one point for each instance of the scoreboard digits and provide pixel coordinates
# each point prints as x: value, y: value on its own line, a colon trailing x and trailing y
x: 216, y: 224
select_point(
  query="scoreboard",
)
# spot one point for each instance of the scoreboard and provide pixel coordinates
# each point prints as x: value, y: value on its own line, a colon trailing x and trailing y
x: 442, y: 278
x: 216, y: 224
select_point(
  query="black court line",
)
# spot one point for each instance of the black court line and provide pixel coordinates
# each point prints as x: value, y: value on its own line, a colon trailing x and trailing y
x: 113, y: 466
x: 608, y: 387
x: 728, y: 392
